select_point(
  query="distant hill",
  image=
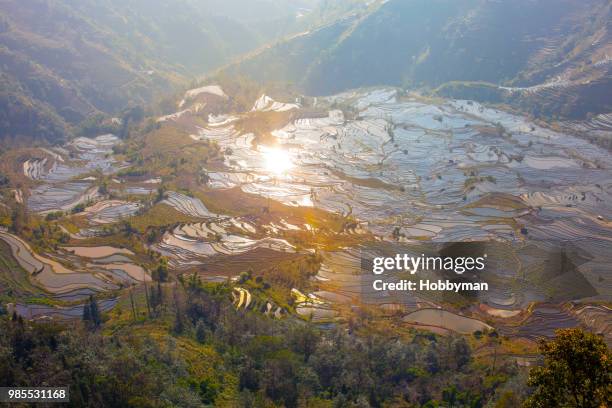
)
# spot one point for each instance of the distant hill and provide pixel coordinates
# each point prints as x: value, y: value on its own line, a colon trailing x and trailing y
x: 550, y: 57
x: 62, y: 61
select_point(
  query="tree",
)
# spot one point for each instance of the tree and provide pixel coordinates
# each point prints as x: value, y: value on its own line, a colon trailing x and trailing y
x: 508, y: 400
x: 200, y: 331
x: 303, y: 340
x: 95, y: 311
x: 103, y: 187
x: 279, y: 378
x: 80, y: 207
x: 432, y: 362
x: 91, y: 313
x: 161, y: 272
x: 179, y: 323
x: 461, y: 351
x: 86, y: 313
x: 18, y: 218
x: 157, y: 297
x: 577, y: 372
x: 161, y: 193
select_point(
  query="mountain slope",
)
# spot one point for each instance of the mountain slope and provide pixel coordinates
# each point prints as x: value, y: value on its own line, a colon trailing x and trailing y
x: 62, y: 61
x: 425, y: 44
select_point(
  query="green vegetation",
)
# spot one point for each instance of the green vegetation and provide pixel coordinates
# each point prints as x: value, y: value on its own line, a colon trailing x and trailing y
x: 262, y: 123
x: 91, y: 313
x: 44, y: 233
x: 478, y: 91
x: 169, y: 152
x: 198, y: 350
x: 96, y: 125
x: 577, y: 372
x: 456, y: 49
x: 159, y: 215
x: 14, y: 282
x: 84, y: 68
x: 68, y: 68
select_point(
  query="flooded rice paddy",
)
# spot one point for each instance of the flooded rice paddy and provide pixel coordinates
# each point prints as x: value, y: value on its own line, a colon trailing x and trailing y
x: 403, y: 170
x: 410, y: 171
x: 61, y: 189
x: 188, y: 245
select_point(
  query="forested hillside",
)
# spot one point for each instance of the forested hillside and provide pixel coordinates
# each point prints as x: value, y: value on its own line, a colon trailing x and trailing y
x: 62, y: 61
x: 547, y: 56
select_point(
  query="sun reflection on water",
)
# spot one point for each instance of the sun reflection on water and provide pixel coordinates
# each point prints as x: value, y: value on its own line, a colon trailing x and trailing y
x: 276, y: 160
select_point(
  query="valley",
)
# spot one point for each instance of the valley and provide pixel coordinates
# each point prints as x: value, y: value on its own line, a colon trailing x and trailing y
x: 206, y: 202
x: 394, y: 172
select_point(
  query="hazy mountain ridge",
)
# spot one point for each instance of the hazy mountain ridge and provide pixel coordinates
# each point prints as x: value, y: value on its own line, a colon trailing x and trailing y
x: 63, y: 60
x: 423, y: 44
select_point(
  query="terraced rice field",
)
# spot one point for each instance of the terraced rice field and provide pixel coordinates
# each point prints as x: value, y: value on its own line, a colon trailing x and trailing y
x: 410, y: 171
x: 596, y: 317
x: 267, y: 104
x: 410, y: 175
x: 189, y: 245
x: 61, y: 197
x: 193, y: 93
x: 95, y: 269
x: 445, y: 320
x: 187, y: 205
x: 44, y: 312
x: 243, y: 300
x: 543, y: 322
x: 34, y: 168
x: 97, y: 252
x: 313, y: 308
x: 110, y: 211
x: 68, y: 182
x: 17, y: 281
x: 51, y: 274
x: 14, y: 280
x: 59, y: 188
x: 398, y: 164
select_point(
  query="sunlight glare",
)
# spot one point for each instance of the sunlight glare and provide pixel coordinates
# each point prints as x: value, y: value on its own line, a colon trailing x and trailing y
x: 277, y: 161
